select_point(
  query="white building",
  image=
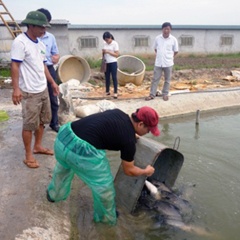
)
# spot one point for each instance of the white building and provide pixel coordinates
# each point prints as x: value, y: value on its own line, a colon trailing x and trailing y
x: 86, y: 40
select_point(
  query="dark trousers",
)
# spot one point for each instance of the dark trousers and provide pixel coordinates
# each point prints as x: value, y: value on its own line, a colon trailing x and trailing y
x: 53, y: 99
x: 111, y: 70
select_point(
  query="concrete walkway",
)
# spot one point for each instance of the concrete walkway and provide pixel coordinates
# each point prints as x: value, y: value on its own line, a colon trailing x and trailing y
x: 187, y: 103
x: 24, y: 211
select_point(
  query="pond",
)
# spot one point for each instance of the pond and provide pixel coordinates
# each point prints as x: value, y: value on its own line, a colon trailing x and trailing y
x: 210, y: 174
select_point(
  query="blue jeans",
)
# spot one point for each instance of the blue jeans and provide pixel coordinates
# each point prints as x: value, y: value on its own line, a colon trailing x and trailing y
x: 53, y: 99
x: 111, y: 69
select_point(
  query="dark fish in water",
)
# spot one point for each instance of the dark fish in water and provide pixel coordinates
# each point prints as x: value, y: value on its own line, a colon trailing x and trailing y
x: 164, y: 201
x: 167, y: 195
x: 171, y: 209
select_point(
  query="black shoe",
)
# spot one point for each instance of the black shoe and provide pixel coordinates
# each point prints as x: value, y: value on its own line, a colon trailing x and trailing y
x: 55, y: 128
x: 49, y: 198
x: 117, y: 213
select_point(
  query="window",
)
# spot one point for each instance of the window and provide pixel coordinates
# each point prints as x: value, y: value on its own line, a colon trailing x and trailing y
x: 186, y: 41
x: 87, y: 42
x: 226, y: 40
x: 140, y: 41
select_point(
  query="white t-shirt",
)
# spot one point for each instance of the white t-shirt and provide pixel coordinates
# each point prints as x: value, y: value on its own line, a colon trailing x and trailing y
x: 31, y: 54
x: 113, y: 46
x: 165, y: 48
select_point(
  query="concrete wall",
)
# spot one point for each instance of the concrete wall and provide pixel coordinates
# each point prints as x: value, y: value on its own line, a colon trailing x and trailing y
x: 123, y: 37
x: 209, y: 41
x: 5, y: 44
x: 61, y: 34
x: 59, y: 31
x: 206, y: 39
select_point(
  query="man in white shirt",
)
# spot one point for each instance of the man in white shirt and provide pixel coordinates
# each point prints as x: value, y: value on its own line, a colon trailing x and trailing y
x: 166, y: 47
x: 29, y: 77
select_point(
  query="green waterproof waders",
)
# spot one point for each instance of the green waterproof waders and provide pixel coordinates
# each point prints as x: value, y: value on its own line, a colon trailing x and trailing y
x: 76, y: 156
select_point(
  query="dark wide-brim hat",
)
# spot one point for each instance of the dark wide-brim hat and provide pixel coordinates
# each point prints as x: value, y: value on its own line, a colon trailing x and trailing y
x: 36, y: 18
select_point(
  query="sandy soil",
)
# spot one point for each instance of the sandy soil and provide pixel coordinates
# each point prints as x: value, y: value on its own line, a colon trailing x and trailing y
x: 194, y: 78
x: 190, y: 79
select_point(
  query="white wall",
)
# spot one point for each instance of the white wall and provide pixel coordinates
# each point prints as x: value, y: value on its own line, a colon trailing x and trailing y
x: 59, y: 31
x: 206, y: 39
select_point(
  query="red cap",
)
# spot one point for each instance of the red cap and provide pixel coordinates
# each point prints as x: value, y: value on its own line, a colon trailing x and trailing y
x: 150, y: 118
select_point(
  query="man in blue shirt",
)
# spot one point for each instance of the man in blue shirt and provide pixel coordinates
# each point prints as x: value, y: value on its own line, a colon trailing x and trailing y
x: 52, y: 55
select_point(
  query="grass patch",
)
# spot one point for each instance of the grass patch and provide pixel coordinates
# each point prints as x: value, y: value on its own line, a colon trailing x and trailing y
x: 178, y: 67
x: 149, y: 68
x: 5, y: 72
x: 222, y: 55
x: 96, y: 82
x: 186, y: 61
x: 94, y: 63
x: 207, y: 61
x: 197, y: 61
x: 3, y: 116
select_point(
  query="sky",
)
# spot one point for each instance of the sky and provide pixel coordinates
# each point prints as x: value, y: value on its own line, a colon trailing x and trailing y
x: 133, y: 12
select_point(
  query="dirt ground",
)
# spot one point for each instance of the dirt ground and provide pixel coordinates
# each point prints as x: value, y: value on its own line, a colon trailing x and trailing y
x: 194, y: 78
x: 189, y: 79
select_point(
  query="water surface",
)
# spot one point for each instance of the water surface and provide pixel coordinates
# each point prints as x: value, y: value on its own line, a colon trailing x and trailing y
x: 210, y: 177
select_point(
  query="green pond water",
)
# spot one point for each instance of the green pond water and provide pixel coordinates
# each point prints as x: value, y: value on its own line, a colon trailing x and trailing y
x: 210, y: 176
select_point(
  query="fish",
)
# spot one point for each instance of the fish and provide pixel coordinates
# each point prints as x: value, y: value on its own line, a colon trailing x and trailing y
x: 157, y: 196
x: 153, y: 190
x: 171, y: 210
x: 159, y: 191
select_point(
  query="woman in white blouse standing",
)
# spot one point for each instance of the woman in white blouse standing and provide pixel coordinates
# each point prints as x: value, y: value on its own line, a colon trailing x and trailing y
x: 110, y: 53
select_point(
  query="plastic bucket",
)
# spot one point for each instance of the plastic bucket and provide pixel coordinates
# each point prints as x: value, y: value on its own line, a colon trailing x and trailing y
x: 73, y: 67
x: 130, y: 70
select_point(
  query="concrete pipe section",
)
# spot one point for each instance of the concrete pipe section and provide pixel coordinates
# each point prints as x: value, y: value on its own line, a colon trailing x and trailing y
x: 73, y: 67
x: 130, y: 70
